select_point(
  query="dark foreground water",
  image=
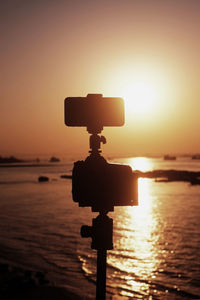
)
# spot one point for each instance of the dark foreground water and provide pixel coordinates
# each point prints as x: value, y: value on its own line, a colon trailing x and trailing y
x: 156, y: 245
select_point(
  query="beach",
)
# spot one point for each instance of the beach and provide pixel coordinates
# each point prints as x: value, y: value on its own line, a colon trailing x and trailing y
x: 17, y: 283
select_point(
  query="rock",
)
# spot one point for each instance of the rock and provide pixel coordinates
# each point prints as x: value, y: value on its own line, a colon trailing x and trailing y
x: 43, y: 179
x: 18, y: 284
x: 39, y: 275
x: 27, y: 274
x: 4, y: 268
x: 195, y: 181
x: 66, y: 176
x: 171, y: 175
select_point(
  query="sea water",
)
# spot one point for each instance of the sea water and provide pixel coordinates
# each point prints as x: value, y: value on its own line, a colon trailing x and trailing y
x: 156, y: 245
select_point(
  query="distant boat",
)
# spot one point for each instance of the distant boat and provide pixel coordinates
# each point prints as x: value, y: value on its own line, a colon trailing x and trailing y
x: 169, y: 157
x: 54, y: 159
x: 195, y: 156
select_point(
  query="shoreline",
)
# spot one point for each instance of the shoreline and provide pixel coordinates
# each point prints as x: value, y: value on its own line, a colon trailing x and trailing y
x: 171, y: 176
x: 19, y: 284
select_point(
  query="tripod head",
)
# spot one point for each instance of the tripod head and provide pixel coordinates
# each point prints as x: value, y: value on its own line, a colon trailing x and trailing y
x: 95, y: 144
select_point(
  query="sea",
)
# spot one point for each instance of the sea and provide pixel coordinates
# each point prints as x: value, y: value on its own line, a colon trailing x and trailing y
x: 156, y: 251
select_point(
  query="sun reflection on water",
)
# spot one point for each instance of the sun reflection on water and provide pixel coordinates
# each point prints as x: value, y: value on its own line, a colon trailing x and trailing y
x: 135, y: 237
x: 140, y: 163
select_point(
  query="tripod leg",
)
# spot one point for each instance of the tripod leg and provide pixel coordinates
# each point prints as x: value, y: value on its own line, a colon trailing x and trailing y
x: 101, y: 275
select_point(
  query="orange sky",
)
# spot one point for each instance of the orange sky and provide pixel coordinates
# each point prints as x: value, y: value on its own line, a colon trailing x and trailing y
x: 54, y: 49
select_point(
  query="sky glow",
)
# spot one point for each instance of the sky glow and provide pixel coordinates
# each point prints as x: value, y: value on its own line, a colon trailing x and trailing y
x: 145, y: 51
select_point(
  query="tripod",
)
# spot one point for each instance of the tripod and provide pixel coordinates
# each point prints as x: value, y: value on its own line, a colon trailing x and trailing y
x: 101, y: 230
x: 101, y: 233
x: 95, y: 182
x: 102, y: 186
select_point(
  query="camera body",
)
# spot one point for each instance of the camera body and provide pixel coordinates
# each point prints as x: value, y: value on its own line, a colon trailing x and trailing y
x: 94, y: 112
x: 102, y: 185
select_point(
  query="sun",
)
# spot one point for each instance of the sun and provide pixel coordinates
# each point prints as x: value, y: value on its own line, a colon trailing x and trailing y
x: 141, y: 97
x: 144, y: 90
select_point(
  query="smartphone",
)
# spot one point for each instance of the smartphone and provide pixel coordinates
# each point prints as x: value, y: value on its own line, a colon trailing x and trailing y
x: 94, y: 111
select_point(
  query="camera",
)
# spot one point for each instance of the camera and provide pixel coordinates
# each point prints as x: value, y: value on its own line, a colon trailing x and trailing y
x: 95, y: 182
x: 94, y: 112
x: 102, y: 185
